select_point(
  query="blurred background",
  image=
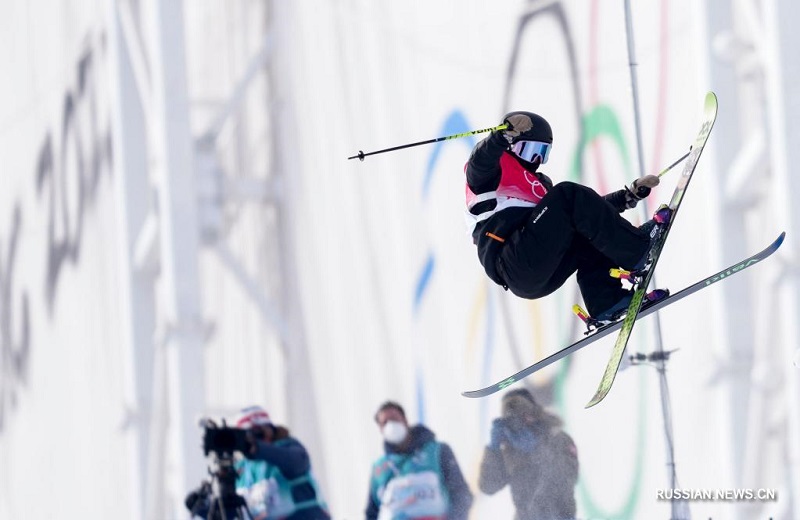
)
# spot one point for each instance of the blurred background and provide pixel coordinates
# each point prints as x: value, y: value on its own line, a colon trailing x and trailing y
x: 181, y: 235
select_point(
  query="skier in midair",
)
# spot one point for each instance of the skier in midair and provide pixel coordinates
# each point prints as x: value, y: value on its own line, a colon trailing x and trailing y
x: 533, y: 235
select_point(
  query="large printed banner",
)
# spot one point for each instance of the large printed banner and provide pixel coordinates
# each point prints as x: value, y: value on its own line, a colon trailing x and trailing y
x: 62, y: 372
x: 48, y: 210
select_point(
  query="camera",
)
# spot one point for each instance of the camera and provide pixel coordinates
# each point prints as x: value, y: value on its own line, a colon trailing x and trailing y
x: 218, y: 499
x: 514, y: 421
x: 223, y: 440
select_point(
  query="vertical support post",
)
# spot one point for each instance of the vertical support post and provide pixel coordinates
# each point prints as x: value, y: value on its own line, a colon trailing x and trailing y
x: 303, y: 410
x: 136, y: 291
x: 634, y: 86
x: 172, y: 159
x: 679, y: 509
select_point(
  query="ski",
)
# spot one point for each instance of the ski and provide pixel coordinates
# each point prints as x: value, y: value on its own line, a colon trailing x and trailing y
x: 710, y: 111
x: 611, y: 327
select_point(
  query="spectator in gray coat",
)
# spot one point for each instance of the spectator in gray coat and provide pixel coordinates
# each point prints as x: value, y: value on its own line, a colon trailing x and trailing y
x: 530, y: 453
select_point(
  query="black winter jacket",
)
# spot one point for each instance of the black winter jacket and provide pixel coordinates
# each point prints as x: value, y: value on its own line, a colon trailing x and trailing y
x: 483, y: 175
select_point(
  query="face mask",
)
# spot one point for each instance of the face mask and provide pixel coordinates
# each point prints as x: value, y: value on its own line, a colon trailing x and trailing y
x: 394, y: 432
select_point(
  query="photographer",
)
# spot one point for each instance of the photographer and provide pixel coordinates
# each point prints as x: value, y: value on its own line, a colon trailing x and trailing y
x: 530, y: 453
x: 275, y: 477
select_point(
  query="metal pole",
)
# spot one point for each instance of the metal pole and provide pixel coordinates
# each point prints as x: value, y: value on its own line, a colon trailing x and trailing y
x: 136, y: 292
x: 660, y: 355
x: 360, y: 155
x: 679, y: 508
x: 634, y: 86
x: 173, y: 172
x: 301, y: 388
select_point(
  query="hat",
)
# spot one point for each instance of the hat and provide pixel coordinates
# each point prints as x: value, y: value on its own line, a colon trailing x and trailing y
x: 252, y: 416
x: 522, y: 393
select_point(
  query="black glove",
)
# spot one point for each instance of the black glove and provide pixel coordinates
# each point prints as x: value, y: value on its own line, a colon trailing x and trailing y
x: 640, y: 189
x: 198, y: 498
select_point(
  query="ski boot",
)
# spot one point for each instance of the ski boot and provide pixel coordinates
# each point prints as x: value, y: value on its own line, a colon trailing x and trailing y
x: 618, y: 311
x: 654, y: 228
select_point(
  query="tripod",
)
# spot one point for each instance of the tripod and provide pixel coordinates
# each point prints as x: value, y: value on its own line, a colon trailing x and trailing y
x: 220, y: 494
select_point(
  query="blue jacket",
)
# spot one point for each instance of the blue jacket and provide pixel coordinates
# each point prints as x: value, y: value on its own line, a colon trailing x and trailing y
x: 276, y: 477
x: 287, y: 464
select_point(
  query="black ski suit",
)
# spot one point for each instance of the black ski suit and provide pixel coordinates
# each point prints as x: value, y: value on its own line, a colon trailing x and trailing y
x: 571, y: 229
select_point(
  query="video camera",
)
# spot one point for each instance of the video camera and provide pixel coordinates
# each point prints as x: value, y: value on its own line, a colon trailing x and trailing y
x: 223, y: 440
x: 218, y: 499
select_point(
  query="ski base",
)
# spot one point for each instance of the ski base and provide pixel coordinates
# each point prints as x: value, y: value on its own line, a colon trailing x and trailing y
x: 611, y: 327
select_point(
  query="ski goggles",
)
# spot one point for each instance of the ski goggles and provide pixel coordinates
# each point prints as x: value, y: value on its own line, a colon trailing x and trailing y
x: 527, y: 150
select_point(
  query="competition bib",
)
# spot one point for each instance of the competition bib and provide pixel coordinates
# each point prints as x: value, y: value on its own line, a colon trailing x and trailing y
x: 418, y: 495
x: 265, y: 500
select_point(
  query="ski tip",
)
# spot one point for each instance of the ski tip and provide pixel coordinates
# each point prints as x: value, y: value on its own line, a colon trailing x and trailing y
x: 477, y: 394
x: 489, y: 390
x: 611, y: 371
x: 779, y: 240
x: 599, y: 396
x: 711, y: 104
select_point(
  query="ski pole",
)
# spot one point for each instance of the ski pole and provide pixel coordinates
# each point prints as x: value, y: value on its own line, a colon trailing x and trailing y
x: 671, y: 166
x: 361, y: 154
